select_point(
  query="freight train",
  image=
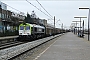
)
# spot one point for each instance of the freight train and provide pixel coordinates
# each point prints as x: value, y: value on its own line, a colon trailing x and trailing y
x: 31, y: 32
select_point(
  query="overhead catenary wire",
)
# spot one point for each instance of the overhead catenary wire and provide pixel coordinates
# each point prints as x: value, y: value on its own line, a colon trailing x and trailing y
x: 38, y: 9
x: 23, y: 12
x: 43, y: 8
x: 13, y: 8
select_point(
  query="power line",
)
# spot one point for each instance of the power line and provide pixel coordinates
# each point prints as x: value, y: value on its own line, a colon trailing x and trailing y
x: 13, y: 8
x: 38, y: 8
x: 42, y: 7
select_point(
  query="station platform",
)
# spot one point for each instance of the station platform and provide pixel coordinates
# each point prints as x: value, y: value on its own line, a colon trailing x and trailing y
x: 8, y: 37
x: 67, y: 47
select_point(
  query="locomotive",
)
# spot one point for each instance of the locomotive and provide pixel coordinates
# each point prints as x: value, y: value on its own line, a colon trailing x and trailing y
x: 31, y: 32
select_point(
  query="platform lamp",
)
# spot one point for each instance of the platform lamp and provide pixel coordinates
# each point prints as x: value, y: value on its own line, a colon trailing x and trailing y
x: 73, y: 27
x: 80, y: 20
x: 76, y: 24
x: 88, y: 18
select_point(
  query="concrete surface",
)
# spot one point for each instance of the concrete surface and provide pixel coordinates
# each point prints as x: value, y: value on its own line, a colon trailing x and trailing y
x: 67, y: 47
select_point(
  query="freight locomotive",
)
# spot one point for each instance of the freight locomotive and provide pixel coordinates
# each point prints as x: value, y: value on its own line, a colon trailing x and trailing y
x: 31, y: 32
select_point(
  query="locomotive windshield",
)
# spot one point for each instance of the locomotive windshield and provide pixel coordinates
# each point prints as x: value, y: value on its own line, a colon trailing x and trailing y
x: 21, y: 27
x: 27, y: 27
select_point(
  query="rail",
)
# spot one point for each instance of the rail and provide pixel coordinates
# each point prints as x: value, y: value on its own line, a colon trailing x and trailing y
x: 11, y: 52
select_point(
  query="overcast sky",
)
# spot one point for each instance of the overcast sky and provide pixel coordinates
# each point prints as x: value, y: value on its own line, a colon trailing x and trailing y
x: 63, y: 10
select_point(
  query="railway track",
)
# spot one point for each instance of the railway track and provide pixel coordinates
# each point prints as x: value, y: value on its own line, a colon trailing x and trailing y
x: 21, y: 47
x: 7, y: 43
x: 10, y: 44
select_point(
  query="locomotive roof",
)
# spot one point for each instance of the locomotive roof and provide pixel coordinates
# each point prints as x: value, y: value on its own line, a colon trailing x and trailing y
x: 34, y: 25
x: 38, y: 26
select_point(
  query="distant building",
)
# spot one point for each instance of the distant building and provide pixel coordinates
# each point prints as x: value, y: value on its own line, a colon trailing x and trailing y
x: 9, y: 19
x: 3, y: 6
x: 42, y: 22
x: 50, y: 26
x: 20, y: 17
x: 3, y: 15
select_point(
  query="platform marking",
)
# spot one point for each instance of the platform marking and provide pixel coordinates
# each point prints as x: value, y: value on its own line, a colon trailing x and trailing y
x: 44, y: 51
